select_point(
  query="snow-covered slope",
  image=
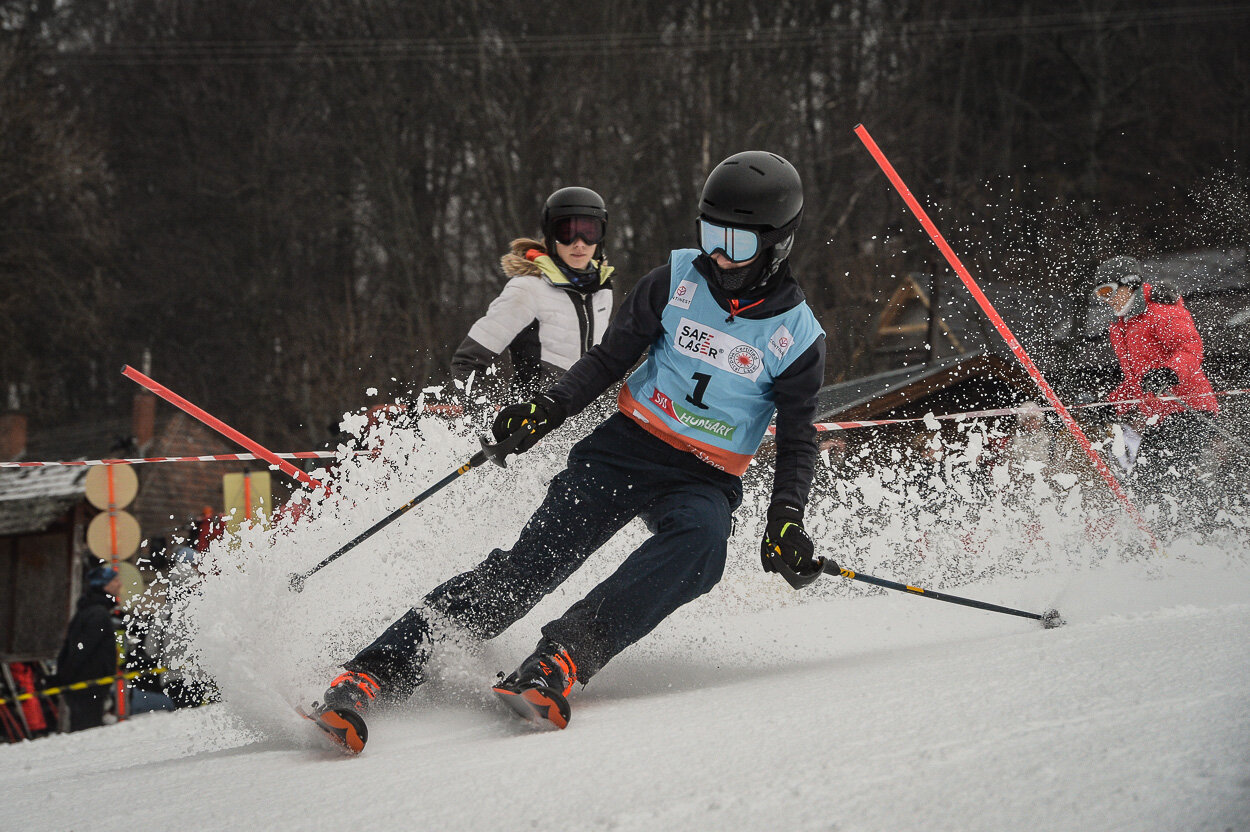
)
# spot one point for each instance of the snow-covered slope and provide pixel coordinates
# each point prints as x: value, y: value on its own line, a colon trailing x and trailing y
x: 846, y: 708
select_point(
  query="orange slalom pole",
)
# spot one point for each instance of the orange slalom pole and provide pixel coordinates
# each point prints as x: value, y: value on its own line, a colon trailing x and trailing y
x: 118, y: 637
x: 221, y: 427
x: 999, y: 324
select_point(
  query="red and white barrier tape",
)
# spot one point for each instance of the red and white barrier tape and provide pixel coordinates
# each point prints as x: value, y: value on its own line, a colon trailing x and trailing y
x: 820, y: 426
x: 211, y: 458
x: 1001, y: 411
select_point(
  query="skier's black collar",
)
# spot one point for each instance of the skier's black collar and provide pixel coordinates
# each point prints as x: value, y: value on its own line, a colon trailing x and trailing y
x: 781, y: 293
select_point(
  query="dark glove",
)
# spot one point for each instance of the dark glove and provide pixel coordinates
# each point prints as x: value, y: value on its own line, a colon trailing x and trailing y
x: 538, y: 417
x: 1100, y: 413
x: 1160, y: 380
x: 787, y: 550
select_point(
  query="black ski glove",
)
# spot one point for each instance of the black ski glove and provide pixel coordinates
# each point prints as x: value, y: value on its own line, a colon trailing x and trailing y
x: 787, y: 549
x: 1101, y: 413
x: 1160, y: 380
x: 543, y: 415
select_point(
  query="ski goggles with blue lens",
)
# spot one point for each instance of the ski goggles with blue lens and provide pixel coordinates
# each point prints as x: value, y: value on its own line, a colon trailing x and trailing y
x: 738, y: 244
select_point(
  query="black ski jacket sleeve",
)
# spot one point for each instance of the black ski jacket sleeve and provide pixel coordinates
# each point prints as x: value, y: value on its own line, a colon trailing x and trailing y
x: 636, y: 326
x: 794, y: 394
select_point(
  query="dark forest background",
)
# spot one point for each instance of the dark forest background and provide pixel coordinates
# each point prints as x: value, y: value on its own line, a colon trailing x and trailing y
x: 290, y: 202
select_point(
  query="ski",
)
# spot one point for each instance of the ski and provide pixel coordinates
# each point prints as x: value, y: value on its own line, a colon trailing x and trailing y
x: 538, y: 704
x: 344, y: 727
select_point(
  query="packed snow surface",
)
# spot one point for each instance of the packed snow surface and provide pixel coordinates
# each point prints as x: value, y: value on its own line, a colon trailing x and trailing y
x: 843, y: 707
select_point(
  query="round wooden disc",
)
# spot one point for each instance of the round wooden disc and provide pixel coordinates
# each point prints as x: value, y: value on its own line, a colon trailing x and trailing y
x: 125, y: 485
x: 133, y: 584
x: 100, y: 538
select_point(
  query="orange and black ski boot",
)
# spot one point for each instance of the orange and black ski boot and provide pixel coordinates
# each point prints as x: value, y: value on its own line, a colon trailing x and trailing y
x: 352, y: 690
x: 342, y: 726
x: 342, y: 715
x: 538, y: 690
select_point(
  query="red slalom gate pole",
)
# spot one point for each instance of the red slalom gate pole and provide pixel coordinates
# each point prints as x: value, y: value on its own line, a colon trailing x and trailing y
x: 999, y: 324
x: 221, y: 427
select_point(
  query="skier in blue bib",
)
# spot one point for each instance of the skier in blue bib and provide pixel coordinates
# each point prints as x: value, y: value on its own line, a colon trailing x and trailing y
x: 730, y: 340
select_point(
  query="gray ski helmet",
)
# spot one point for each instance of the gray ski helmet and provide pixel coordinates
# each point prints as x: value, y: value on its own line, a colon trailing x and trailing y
x: 573, y: 202
x: 1122, y: 269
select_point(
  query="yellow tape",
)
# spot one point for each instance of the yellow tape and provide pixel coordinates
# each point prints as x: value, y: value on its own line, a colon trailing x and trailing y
x: 93, y: 683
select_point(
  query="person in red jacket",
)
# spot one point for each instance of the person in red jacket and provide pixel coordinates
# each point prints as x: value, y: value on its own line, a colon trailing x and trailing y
x: 1160, y: 354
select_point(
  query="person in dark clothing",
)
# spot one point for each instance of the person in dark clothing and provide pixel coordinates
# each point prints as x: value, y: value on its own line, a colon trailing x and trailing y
x: 729, y: 340
x: 90, y: 650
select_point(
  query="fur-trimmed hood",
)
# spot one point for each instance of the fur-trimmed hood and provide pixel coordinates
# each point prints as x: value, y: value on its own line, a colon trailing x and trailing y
x: 527, y: 256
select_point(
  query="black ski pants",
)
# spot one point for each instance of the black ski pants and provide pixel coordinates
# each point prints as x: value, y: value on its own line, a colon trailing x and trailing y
x: 1169, y: 455
x: 616, y: 473
x: 1169, y: 462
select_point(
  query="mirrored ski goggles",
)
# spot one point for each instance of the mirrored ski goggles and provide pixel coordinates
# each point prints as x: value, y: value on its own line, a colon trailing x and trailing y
x: 1106, y: 290
x: 567, y: 229
x: 738, y: 244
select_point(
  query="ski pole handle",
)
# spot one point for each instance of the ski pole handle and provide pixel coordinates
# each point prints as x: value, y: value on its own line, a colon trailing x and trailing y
x: 498, y: 452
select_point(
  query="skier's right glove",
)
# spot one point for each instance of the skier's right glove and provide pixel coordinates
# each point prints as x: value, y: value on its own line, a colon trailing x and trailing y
x: 537, y: 417
x: 1160, y: 381
x: 1101, y: 413
x: 787, y: 549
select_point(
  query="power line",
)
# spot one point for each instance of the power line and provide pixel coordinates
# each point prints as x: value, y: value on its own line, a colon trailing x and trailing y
x: 608, y: 44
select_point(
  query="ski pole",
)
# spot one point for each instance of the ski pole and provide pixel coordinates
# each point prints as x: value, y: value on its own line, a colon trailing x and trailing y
x: 1050, y: 618
x: 495, y: 453
x: 1220, y: 429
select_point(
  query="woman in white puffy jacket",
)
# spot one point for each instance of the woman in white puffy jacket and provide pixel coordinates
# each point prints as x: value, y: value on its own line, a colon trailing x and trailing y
x: 555, y: 305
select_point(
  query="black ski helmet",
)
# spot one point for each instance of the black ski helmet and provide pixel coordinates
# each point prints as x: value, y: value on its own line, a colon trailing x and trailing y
x: 575, y: 202
x: 761, y: 191
x: 572, y: 202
